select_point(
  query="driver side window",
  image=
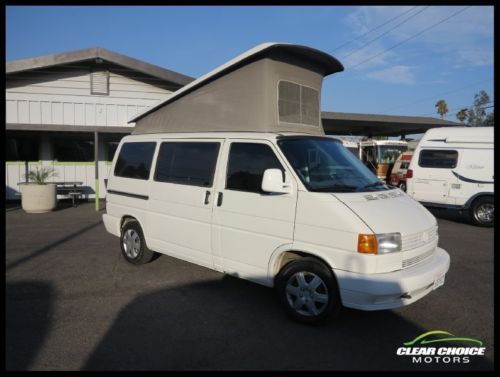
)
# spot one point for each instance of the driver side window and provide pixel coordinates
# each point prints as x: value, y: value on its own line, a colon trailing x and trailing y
x: 246, y: 166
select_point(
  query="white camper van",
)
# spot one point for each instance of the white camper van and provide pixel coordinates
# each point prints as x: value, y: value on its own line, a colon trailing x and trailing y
x: 233, y: 172
x: 452, y: 167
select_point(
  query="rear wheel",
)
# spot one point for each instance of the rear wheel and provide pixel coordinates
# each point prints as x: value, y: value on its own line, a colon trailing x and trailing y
x: 308, y: 290
x: 402, y: 186
x: 133, y: 245
x: 482, y: 211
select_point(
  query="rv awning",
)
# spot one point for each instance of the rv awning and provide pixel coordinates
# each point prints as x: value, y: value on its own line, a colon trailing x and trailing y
x: 335, y: 123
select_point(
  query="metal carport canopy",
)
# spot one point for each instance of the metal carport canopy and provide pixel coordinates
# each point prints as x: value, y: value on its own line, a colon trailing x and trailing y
x: 335, y: 123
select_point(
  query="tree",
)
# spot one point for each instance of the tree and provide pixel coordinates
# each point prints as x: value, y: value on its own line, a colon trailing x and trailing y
x: 462, y: 115
x: 477, y: 116
x: 442, y: 108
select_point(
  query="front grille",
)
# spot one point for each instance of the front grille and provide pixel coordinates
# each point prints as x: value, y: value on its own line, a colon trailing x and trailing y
x: 412, y: 241
x: 419, y: 258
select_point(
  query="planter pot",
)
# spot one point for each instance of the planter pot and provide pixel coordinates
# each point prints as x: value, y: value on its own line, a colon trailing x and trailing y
x: 38, y: 198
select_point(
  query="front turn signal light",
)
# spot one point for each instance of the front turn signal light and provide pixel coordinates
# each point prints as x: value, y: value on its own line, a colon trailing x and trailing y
x: 367, y: 244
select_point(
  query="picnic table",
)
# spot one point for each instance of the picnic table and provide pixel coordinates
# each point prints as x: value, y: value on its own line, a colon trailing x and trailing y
x: 72, y: 189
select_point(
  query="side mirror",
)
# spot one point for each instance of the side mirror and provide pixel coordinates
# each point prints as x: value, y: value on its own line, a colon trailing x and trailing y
x: 272, y: 182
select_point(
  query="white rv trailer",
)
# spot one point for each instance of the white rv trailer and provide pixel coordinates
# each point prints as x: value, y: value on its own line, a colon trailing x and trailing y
x: 452, y: 167
x: 233, y: 172
x: 380, y: 155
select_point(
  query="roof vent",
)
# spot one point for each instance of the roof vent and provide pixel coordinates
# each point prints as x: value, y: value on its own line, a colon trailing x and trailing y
x: 99, y: 81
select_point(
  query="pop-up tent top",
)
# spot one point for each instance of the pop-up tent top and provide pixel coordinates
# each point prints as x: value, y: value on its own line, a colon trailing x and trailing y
x: 274, y: 87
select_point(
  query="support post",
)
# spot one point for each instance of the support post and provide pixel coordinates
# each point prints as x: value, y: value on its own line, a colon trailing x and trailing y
x: 96, y: 161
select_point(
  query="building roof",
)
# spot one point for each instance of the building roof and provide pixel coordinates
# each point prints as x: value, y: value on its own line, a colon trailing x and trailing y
x: 315, y: 59
x: 16, y: 66
x: 336, y: 123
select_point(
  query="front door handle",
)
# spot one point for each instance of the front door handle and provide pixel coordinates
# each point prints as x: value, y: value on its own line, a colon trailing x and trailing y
x: 219, y: 199
x: 207, y: 197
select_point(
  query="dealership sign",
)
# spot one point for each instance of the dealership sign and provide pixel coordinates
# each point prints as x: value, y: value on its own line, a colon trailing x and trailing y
x: 441, y: 347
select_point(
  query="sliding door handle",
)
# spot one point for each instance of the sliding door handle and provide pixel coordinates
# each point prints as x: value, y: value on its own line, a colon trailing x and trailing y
x: 207, y: 197
x: 219, y: 199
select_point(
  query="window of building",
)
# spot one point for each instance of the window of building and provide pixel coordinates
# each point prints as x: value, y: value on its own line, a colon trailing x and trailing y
x: 190, y: 163
x: 298, y: 103
x: 71, y: 149
x: 434, y: 158
x: 22, y: 148
x: 99, y: 81
x: 246, y: 166
x: 134, y: 160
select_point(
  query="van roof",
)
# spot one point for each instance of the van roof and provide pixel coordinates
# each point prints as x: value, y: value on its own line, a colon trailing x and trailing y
x: 327, y: 64
x: 221, y: 135
x: 462, y: 135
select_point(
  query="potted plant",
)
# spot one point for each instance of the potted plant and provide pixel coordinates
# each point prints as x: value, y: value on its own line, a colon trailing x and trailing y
x: 37, y: 195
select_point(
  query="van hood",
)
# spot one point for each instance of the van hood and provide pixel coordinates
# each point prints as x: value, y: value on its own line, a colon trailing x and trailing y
x: 389, y: 211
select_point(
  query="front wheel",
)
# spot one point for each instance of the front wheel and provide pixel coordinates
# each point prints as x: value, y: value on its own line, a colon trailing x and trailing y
x: 482, y: 212
x: 308, y: 290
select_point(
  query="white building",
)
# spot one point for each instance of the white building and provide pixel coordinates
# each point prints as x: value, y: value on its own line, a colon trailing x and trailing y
x: 57, y: 104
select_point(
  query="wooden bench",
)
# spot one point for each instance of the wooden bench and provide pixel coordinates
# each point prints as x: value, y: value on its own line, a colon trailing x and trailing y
x: 72, y: 189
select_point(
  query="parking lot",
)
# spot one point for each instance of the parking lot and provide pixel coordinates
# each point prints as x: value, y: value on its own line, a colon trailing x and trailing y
x: 74, y: 303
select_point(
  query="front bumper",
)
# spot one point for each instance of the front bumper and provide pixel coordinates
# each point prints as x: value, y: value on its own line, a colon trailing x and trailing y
x: 384, y: 291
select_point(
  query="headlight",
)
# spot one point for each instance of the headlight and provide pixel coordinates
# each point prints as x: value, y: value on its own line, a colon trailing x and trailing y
x: 388, y: 242
x: 379, y: 243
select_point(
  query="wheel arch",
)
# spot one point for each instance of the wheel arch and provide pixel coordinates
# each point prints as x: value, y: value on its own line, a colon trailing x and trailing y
x: 477, y: 196
x: 128, y: 218
x: 288, y: 253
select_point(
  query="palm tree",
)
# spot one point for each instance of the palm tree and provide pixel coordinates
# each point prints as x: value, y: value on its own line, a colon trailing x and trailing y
x: 442, y: 107
x: 462, y: 115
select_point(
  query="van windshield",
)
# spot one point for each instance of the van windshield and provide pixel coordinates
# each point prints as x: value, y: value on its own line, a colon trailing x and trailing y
x: 325, y: 165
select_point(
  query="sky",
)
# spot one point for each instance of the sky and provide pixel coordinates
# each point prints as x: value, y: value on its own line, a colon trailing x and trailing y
x: 436, y: 52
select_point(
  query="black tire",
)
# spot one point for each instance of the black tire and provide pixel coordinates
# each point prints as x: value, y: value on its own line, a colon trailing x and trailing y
x: 133, y: 245
x: 288, y: 292
x: 402, y: 186
x: 482, y: 211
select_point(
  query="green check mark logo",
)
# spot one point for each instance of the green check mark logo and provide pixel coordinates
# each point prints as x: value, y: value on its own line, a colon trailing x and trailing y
x: 448, y: 337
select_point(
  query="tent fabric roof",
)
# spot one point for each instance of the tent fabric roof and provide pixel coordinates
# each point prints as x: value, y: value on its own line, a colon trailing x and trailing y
x: 22, y: 65
x: 337, y: 123
x: 324, y: 63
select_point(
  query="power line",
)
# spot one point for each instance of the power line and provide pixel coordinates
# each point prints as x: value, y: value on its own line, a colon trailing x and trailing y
x: 385, y: 33
x: 413, y: 36
x: 438, y: 95
x: 375, y: 28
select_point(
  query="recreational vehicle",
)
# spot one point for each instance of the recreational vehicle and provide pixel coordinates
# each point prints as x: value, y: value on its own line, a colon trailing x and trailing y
x: 233, y: 172
x: 400, y: 169
x: 351, y: 146
x: 452, y: 168
x: 380, y: 155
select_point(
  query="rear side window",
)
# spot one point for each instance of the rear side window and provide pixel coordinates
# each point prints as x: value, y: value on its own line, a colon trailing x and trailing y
x: 435, y: 158
x: 246, y: 166
x: 187, y: 163
x: 134, y: 160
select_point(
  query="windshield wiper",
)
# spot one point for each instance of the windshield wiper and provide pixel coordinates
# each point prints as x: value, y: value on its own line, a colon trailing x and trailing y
x: 374, y: 184
x: 335, y: 187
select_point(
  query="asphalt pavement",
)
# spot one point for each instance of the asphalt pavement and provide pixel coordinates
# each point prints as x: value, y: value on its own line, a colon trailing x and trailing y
x: 73, y: 303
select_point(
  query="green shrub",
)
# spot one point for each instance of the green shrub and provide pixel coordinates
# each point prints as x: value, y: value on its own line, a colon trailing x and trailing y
x: 40, y: 175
